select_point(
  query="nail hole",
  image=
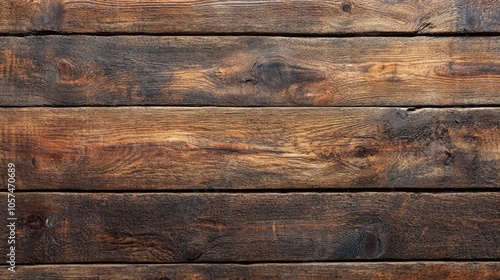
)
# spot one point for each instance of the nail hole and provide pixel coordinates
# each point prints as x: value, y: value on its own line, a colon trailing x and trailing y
x: 346, y: 7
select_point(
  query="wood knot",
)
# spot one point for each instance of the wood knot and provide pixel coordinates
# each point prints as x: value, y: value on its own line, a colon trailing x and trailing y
x: 273, y: 74
x: 366, y: 242
x: 362, y: 152
x: 35, y: 222
x: 278, y: 74
x: 65, y: 69
x: 449, y: 157
x: 193, y: 254
x: 346, y: 7
x: 371, y: 245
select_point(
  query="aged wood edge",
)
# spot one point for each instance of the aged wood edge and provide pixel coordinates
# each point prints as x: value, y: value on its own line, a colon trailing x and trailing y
x: 367, y: 270
x: 467, y: 16
x: 248, y: 71
x: 331, y: 35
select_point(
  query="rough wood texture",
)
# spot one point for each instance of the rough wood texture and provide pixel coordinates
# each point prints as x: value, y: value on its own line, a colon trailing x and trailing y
x: 256, y: 16
x: 217, y: 227
x: 374, y: 271
x: 249, y: 71
x: 251, y: 193
x: 153, y: 148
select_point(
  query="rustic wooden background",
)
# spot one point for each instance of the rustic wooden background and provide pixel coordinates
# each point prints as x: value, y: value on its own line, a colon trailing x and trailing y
x: 209, y: 139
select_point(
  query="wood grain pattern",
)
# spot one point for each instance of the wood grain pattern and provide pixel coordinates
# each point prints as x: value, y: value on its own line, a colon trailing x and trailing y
x: 255, y: 16
x: 249, y: 71
x: 217, y: 227
x: 267, y: 192
x: 153, y: 148
x: 374, y: 271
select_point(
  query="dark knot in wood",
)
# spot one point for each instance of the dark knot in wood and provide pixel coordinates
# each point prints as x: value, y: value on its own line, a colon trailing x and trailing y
x: 35, y: 222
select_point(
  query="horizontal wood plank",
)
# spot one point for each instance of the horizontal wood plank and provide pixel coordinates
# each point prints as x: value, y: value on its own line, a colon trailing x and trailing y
x: 217, y: 227
x: 249, y: 71
x: 375, y: 271
x: 159, y: 148
x: 255, y: 16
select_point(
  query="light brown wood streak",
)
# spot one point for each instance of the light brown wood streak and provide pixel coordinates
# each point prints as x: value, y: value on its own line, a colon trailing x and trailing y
x: 256, y: 16
x: 158, y: 148
x: 375, y: 271
x: 249, y: 71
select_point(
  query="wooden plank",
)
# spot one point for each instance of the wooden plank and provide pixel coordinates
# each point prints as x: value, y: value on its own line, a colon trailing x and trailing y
x: 255, y: 16
x: 375, y: 271
x: 154, y: 148
x: 249, y: 71
x: 217, y: 227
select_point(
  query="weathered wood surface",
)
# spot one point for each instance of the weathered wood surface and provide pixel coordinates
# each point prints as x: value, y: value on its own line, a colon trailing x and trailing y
x: 256, y: 16
x: 375, y: 271
x: 218, y: 227
x: 249, y: 71
x: 154, y: 148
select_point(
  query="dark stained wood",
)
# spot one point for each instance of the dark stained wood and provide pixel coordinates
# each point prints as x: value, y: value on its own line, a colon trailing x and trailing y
x: 267, y: 192
x: 249, y: 71
x: 217, y: 227
x: 255, y: 16
x: 375, y: 271
x: 158, y: 148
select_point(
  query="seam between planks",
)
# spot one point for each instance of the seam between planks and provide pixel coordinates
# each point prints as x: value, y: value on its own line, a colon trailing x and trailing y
x: 409, y: 108
x: 267, y: 191
x: 249, y: 263
x: 254, y: 34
